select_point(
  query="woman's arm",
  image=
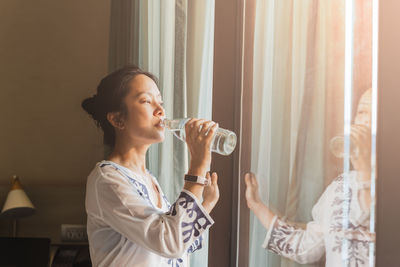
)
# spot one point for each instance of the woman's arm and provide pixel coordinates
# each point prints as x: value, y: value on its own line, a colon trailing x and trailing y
x: 211, y: 192
x: 300, y: 245
x: 262, y: 212
x: 361, y: 136
x: 130, y: 212
x: 199, y: 135
x: 295, y: 243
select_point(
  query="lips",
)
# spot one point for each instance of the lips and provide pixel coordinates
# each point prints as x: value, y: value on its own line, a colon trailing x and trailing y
x: 160, y: 124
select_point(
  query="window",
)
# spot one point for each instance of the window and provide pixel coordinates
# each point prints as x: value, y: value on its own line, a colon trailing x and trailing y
x: 313, y: 129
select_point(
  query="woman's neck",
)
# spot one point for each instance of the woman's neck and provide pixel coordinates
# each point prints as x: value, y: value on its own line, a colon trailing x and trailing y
x: 130, y: 156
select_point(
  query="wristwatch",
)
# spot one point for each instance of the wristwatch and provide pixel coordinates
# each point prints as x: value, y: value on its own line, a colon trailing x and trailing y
x: 196, y: 179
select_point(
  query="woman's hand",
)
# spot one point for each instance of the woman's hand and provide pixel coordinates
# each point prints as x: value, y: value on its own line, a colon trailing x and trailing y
x: 211, y: 192
x: 252, y: 195
x: 361, y: 136
x: 199, y: 134
x: 263, y: 213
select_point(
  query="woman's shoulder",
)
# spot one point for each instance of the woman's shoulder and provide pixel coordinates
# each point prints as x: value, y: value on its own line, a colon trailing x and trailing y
x: 337, y: 186
x: 349, y: 177
x: 111, y: 172
x: 104, y: 170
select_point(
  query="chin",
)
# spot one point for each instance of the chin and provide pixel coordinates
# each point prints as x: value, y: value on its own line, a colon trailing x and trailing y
x: 159, y: 139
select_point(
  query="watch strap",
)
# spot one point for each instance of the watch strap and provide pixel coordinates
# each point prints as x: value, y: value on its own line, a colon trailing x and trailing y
x: 196, y: 179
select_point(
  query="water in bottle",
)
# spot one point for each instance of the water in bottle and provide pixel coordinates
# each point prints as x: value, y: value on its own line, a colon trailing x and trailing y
x: 337, y: 146
x: 223, y: 143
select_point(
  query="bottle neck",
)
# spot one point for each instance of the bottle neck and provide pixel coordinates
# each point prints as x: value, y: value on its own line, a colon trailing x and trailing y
x: 175, y: 124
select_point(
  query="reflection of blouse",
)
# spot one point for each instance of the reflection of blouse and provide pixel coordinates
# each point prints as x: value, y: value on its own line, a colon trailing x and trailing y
x: 126, y: 228
x: 326, y: 234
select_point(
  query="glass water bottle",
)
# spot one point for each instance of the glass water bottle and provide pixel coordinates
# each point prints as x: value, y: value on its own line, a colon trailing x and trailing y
x: 337, y: 147
x: 223, y: 143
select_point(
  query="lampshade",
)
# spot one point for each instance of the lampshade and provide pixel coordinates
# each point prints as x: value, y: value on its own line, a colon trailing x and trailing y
x: 17, y: 204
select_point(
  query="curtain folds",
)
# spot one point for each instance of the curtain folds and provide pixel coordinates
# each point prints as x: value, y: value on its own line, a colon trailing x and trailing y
x: 296, y: 104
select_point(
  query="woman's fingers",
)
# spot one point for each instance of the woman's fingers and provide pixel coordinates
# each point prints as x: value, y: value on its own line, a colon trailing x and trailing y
x: 360, y: 129
x: 210, y: 133
x: 208, y: 177
x: 355, y: 137
x: 252, y: 194
x: 200, y: 128
x: 192, y: 128
x: 197, y: 126
x: 195, y: 129
x: 253, y: 179
x: 189, y: 127
x: 360, y: 135
x: 214, y: 178
x: 250, y: 180
x: 205, y: 127
x: 247, y: 179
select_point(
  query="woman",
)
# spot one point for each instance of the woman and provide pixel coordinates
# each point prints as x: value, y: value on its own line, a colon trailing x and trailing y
x: 130, y: 221
x: 326, y: 234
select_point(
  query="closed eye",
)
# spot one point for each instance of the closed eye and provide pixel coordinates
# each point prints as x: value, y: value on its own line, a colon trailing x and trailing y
x: 145, y: 101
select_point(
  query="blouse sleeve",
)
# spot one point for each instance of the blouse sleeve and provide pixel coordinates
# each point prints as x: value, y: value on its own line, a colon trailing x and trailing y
x: 127, y: 210
x: 196, y: 245
x: 298, y: 244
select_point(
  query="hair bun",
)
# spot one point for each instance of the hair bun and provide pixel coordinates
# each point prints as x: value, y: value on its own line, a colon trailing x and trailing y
x: 90, y: 105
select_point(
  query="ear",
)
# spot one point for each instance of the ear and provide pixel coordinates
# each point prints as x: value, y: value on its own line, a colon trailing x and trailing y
x: 115, y: 118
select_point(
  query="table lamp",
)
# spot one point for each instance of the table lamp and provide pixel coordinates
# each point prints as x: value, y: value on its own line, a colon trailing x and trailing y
x: 17, y: 204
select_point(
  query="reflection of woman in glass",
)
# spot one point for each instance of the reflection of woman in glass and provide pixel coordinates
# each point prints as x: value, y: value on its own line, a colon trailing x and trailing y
x: 327, y: 233
x: 130, y: 221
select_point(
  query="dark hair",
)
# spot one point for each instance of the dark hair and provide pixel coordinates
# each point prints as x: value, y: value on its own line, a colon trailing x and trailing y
x: 110, y: 98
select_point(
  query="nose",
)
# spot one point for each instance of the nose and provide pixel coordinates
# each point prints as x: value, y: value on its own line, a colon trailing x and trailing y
x: 160, y: 111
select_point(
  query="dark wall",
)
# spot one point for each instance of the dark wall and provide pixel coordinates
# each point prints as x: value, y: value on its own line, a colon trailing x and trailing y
x: 388, y: 143
x: 225, y: 90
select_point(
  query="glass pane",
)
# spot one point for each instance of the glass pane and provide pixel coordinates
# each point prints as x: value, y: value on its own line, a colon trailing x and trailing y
x: 313, y: 134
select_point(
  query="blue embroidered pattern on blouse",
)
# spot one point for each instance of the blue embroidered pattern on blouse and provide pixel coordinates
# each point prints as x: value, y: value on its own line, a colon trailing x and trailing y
x: 175, y: 262
x: 357, y: 249
x: 197, y: 244
x: 198, y: 219
x: 140, y: 188
x: 191, y: 228
x: 166, y: 201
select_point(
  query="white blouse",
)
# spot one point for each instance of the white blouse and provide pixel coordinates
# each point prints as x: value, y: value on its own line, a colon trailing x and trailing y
x: 126, y: 228
x: 326, y: 234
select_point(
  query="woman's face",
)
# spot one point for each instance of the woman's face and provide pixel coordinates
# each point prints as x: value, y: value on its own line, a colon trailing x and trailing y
x: 144, y: 111
x: 363, y: 115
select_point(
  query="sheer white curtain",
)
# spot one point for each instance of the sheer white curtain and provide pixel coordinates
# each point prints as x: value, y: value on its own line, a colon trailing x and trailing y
x: 174, y: 40
x: 285, y: 105
x: 297, y: 105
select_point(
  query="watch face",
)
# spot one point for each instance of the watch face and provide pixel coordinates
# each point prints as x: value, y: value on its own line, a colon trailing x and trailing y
x: 196, y: 179
x: 191, y: 178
